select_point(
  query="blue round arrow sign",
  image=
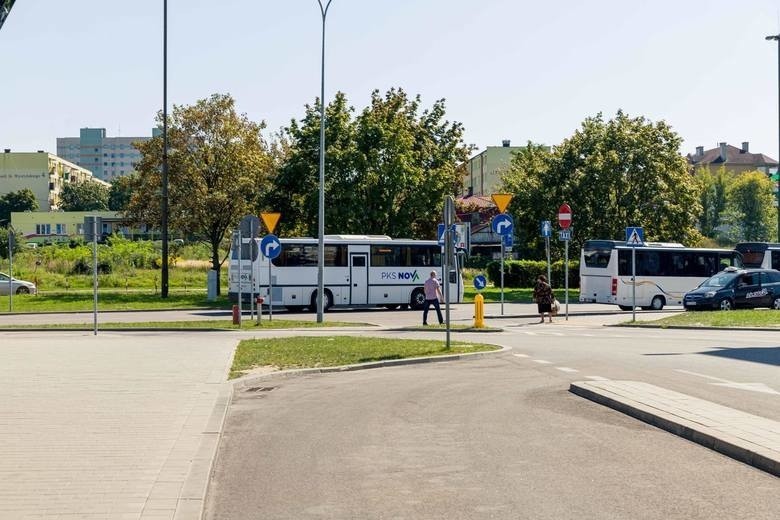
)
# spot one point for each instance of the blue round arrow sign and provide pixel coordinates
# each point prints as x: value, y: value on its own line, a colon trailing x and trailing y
x: 480, y: 282
x: 270, y: 246
x: 502, y: 224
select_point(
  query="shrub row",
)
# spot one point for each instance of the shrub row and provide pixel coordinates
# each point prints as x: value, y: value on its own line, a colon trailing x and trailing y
x: 523, y: 273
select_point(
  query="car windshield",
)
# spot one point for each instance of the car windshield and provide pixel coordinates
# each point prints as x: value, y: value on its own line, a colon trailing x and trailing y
x: 719, y: 280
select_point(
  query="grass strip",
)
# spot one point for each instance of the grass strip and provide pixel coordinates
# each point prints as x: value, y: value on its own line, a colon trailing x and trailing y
x: 112, y: 301
x: 329, y: 351
x: 759, y: 318
x: 195, y: 325
x: 514, y: 294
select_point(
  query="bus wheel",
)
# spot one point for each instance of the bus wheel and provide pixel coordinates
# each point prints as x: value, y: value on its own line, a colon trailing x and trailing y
x: 327, y: 304
x: 657, y: 304
x: 391, y: 307
x: 418, y: 299
x: 725, y: 305
x: 624, y: 307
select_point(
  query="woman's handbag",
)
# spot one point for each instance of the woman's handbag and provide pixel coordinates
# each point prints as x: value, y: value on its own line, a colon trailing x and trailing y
x: 555, y: 307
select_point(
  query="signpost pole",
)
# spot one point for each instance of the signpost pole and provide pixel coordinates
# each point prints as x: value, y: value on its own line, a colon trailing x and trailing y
x: 10, y: 272
x: 566, y: 277
x: 251, y: 272
x: 633, y: 283
x: 270, y: 292
x: 94, y: 276
x: 502, y: 276
x: 547, y: 248
x: 240, y: 258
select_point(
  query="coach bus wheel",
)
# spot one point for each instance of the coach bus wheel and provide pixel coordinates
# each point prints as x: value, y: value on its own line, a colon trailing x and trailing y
x: 327, y: 304
x: 657, y: 304
x: 624, y: 307
x: 391, y: 307
x: 418, y: 299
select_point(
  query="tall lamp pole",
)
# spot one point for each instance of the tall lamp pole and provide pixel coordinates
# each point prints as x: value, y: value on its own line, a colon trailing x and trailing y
x: 164, y: 218
x: 321, y: 214
x: 776, y: 38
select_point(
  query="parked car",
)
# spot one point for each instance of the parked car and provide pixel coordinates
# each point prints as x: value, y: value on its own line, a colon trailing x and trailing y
x: 18, y: 286
x: 736, y: 288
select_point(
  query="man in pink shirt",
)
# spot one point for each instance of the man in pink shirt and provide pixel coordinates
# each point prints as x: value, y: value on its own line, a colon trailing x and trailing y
x: 432, y: 296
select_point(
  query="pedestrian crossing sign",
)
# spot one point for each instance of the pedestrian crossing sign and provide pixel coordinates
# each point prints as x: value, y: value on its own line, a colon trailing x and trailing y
x: 635, y: 236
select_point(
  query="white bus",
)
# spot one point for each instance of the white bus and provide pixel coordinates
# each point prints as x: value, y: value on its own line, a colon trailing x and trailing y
x: 763, y: 255
x: 664, y: 272
x: 360, y: 270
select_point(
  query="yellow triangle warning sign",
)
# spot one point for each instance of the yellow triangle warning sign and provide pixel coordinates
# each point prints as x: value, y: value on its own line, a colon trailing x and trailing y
x: 502, y: 200
x: 270, y: 220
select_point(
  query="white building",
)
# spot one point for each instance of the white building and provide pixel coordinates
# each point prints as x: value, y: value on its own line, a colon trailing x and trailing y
x: 106, y: 157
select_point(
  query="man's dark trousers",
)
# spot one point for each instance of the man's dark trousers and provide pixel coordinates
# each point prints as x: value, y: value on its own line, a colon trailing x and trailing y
x: 435, y: 303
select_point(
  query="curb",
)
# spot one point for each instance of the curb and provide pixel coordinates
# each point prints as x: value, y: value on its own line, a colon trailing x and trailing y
x: 692, y: 327
x: 248, y: 381
x: 707, y: 437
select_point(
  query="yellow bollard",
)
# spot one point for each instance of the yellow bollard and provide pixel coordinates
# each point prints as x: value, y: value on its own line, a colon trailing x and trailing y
x: 479, y: 311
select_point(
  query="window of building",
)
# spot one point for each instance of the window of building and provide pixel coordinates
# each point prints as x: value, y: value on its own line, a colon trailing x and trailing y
x: 60, y: 229
x: 43, y: 229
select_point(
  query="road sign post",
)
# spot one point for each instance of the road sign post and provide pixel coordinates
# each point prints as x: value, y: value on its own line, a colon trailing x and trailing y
x: 564, y: 220
x: 546, y: 230
x: 270, y: 247
x: 502, y: 225
x: 635, y: 236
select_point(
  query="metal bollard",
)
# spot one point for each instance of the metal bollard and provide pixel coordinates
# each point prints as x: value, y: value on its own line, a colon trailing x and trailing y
x: 236, y: 316
x: 479, y: 311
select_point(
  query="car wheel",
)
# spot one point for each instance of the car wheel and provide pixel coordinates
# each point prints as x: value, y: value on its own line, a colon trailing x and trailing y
x: 23, y: 290
x: 725, y: 305
x: 658, y: 303
x: 418, y: 299
x: 776, y: 303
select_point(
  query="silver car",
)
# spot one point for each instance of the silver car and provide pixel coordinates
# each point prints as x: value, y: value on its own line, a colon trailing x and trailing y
x: 18, y: 286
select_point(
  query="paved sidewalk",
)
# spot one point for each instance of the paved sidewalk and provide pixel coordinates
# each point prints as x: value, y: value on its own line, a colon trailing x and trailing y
x: 742, y: 436
x: 114, y: 426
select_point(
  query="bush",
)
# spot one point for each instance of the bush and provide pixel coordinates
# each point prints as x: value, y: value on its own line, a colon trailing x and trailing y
x: 523, y: 273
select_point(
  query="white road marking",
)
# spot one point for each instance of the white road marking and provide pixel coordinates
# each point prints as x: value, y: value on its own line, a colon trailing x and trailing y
x: 520, y: 355
x: 752, y: 387
x: 542, y: 362
x: 567, y: 369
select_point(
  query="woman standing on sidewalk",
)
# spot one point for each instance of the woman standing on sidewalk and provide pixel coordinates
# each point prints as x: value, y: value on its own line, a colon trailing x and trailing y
x: 543, y: 296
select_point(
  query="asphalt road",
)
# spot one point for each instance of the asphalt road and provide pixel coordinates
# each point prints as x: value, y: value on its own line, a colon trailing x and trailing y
x: 501, y: 437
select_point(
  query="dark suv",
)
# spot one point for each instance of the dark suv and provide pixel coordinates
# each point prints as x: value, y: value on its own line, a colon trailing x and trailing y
x: 735, y: 288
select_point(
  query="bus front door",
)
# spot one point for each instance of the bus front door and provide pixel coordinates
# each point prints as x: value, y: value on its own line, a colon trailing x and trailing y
x: 358, y: 278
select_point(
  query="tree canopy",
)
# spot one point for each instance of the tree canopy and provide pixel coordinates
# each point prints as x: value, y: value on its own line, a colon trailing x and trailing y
x: 16, y: 201
x: 750, y: 214
x: 84, y: 196
x: 387, y: 170
x: 617, y: 173
x: 218, y: 162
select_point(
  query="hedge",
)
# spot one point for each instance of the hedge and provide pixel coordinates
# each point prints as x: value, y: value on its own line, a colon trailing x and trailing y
x: 523, y: 273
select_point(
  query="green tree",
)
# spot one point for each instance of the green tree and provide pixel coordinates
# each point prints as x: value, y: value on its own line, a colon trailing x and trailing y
x: 386, y: 170
x: 617, y: 173
x: 120, y: 192
x: 84, y: 196
x: 750, y: 211
x: 218, y: 162
x: 16, y: 201
x: 712, y: 196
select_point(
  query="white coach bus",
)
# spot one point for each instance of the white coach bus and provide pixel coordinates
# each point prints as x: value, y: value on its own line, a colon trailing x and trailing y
x: 360, y: 270
x: 664, y: 272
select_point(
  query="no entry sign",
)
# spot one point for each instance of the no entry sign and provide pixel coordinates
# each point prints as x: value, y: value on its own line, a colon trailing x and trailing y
x: 564, y: 216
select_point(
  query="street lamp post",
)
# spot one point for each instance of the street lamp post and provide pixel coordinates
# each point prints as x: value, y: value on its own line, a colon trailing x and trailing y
x: 321, y: 206
x: 776, y: 38
x: 164, y: 209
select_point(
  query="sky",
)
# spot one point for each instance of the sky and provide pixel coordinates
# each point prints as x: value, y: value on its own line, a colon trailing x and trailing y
x: 508, y: 69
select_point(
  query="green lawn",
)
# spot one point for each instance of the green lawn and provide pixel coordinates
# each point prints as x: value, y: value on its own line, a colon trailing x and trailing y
x: 738, y: 318
x: 246, y: 324
x: 515, y: 294
x: 314, y: 352
x: 112, y: 301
